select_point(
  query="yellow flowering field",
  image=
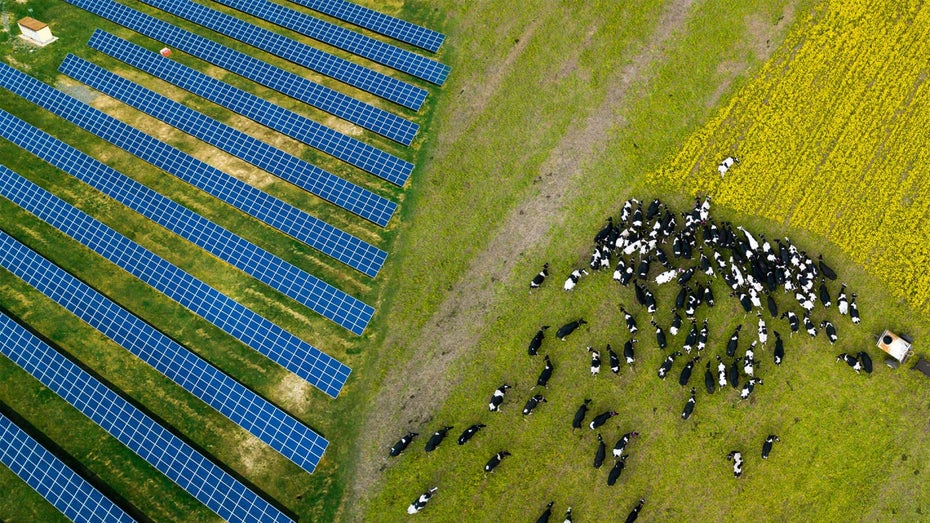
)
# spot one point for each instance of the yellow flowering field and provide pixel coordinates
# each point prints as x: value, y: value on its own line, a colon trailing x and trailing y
x: 833, y: 135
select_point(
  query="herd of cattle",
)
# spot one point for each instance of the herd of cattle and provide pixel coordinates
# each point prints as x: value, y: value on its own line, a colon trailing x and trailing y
x: 635, y: 247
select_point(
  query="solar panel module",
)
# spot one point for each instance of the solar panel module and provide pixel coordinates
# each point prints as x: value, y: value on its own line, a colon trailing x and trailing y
x: 378, y: 22
x: 235, y: 250
x: 181, y: 463
x: 376, y: 83
x: 243, y: 407
x: 365, y: 115
x: 316, y: 367
x: 348, y: 149
x: 71, y: 494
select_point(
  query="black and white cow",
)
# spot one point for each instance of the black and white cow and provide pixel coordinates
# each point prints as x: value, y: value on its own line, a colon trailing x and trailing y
x: 420, y: 503
x: 749, y: 361
x: 830, y: 330
x: 689, y: 406
x: 749, y: 387
x: 540, y: 278
x: 573, y: 278
x: 721, y: 372
x: 614, y: 473
x: 600, y: 453
x: 601, y: 419
x: 854, y: 310
x: 733, y: 342
x: 685, y: 375
x: 865, y: 361
x: 544, y: 517
x: 545, y: 374
x: 495, y: 461
x: 631, y: 517
x: 498, y: 398
x: 614, y: 360
x: 737, y: 458
x: 595, y: 361
x: 676, y: 323
x: 537, y: 340
x: 779, y: 353
x: 568, y: 516
x: 469, y: 432
x: 437, y: 438
x: 667, y: 364
x: 793, y: 321
x: 622, y: 443
x: 726, y: 164
x: 628, y: 353
x: 532, y: 404
x: 850, y: 360
x: 580, y: 414
x: 402, y: 444
x: 630, y: 320
x: 842, y: 303
x: 569, y: 328
x: 767, y: 446
x: 660, y: 335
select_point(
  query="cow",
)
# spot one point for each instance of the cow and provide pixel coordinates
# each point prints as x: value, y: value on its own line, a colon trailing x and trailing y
x: 532, y: 403
x: 437, y: 438
x: 630, y: 321
x: 631, y: 517
x: 628, y: 353
x: 667, y: 364
x: 779, y: 353
x: 865, y: 361
x: 580, y: 414
x: 469, y: 432
x: 545, y: 374
x: 689, y: 406
x: 737, y: 458
x: 685, y: 375
x: 540, y: 278
x: 733, y: 342
x: 495, y: 461
x: 614, y: 360
x: 851, y: 361
x: 573, y: 278
x: 726, y: 164
x: 595, y: 361
x: 660, y: 335
x: 709, y: 379
x: 622, y: 443
x: 544, y: 517
x: 614, y: 473
x: 749, y: 387
x: 830, y: 330
x: 721, y: 372
x: 767, y: 446
x: 402, y: 443
x: 497, y: 398
x: 537, y: 340
x: 420, y: 503
x: 601, y: 418
x: 569, y: 328
x: 854, y: 310
x: 600, y: 453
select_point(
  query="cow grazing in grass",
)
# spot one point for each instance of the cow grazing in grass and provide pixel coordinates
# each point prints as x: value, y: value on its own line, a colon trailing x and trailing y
x: 497, y: 398
x: 733, y: 342
x: 545, y: 374
x: 667, y: 364
x: 537, y: 340
x: 830, y: 330
x: 469, y: 432
x: 495, y: 461
x: 709, y: 379
x: 532, y: 403
x: 779, y: 353
x: 631, y: 517
x: 842, y: 303
x: 437, y: 438
x: 809, y: 325
x: 825, y: 269
x: 854, y: 310
x: 569, y: 328
x: 689, y: 406
x: 737, y: 458
x: 660, y: 335
x: 793, y: 321
x: 685, y: 375
x: 622, y: 443
x: 402, y: 444
x: 595, y: 361
x: 749, y: 387
x: 540, y: 278
x: 763, y: 331
x: 749, y: 361
x: 733, y: 374
x: 824, y: 294
x: 614, y: 473
x: 630, y: 320
x: 544, y: 517
x: 850, y: 360
x: 721, y: 372
x: 601, y: 419
x: 573, y: 278
x: 600, y: 453
x: 420, y: 503
x: 580, y: 414
x: 614, y: 360
x: 767, y: 446
x: 628, y: 353
x: 676, y: 324
x: 865, y: 361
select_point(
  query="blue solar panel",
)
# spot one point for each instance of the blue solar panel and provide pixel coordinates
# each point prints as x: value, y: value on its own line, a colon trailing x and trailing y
x: 336, y: 36
x: 348, y: 149
x: 314, y: 59
x: 301, y: 358
x: 245, y: 408
x: 264, y: 266
x: 378, y: 22
x: 56, y: 482
x: 293, y: 85
x: 189, y: 469
x: 312, y: 179
x: 276, y: 213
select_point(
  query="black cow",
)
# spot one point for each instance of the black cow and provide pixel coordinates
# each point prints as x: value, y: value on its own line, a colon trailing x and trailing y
x: 545, y: 374
x: 540, y: 278
x: 676, y: 324
x: 568, y: 328
x: 622, y: 443
x: 825, y: 269
x: 437, y: 438
x: 628, y: 352
x: 600, y: 453
x: 537, y: 340
x: 580, y: 414
x: 614, y: 360
x: 660, y: 335
x: 469, y: 432
x: 689, y: 406
x: 601, y: 418
x: 779, y: 353
x: 532, y: 403
x: 631, y: 518
x: 495, y: 461
x: 733, y: 373
x: 685, y: 375
x: 866, y: 362
x: 402, y: 443
x: 709, y: 380
x: 667, y: 364
x: 733, y: 343
x: 824, y: 293
x: 767, y: 446
x: 614, y: 473
x: 544, y: 517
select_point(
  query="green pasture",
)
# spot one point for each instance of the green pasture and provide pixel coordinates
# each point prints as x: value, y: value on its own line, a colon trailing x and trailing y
x: 554, y: 111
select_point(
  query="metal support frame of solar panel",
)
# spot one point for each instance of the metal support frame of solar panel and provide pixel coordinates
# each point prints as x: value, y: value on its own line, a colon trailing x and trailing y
x: 251, y: 259
x: 342, y: 38
x: 378, y: 22
x: 288, y: 167
x: 316, y: 367
x: 378, y: 84
x: 274, y: 212
x: 365, y: 115
x: 352, y: 151
x: 68, y: 492
x: 181, y: 463
x: 243, y: 407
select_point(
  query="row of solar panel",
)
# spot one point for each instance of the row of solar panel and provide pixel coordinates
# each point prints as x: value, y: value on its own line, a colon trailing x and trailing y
x: 348, y: 149
x: 367, y: 116
x: 378, y: 22
x: 301, y: 54
x: 292, y: 353
x: 245, y: 408
x: 233, y: 249
x: 181, y: 463
x: 68, y: 492
x: 332, y: 34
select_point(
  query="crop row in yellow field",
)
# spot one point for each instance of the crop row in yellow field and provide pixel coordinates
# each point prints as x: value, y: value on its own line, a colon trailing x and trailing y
x: 833, y: 135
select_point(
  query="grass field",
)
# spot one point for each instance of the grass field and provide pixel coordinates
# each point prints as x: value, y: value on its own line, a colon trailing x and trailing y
x: 554, y: 114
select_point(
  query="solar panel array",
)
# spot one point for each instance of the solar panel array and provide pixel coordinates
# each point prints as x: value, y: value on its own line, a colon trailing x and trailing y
x: 301, y: 358
x: 245, y: 408
x: 332, y: 34
x: 312, y: 179
x: 348, y: 149
x: 290, y: 84
x: 264, y: 266
x: 376, y: 83
x: 274, y: 212
x: 71, y: 494
x: 188, y: 468
x: 378, y: 22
